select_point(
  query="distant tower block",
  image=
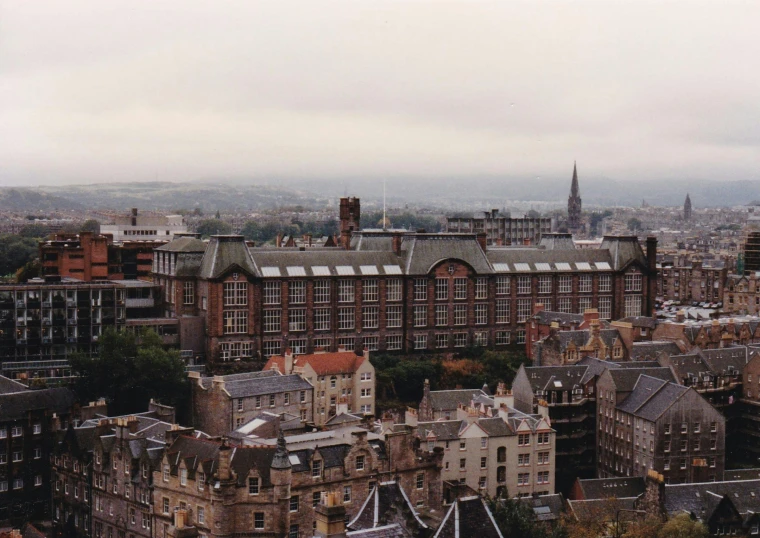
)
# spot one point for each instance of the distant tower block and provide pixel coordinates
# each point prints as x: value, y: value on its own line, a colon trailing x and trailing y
x: 687, y: 208
x: 574, y: 203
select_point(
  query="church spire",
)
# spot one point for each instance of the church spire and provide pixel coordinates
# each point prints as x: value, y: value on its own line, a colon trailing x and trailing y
x: 687, y: 208
x: 574, y: 204
x: 574, y: 190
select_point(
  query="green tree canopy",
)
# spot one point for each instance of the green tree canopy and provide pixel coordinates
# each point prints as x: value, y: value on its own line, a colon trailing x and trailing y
x: 16, y: 252
x: 90, y: 225
x: 634, y: 224
x: 209, y: 227
x: 682, y: 526
x: 129, y: 370
x: 37, y: 231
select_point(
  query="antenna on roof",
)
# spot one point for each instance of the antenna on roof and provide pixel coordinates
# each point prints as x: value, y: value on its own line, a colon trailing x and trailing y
x: 384, y: 227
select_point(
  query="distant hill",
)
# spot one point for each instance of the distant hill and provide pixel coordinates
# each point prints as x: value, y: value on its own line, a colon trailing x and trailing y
x: 35, y: 200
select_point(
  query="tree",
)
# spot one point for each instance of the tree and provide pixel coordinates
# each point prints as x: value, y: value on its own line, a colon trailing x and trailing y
x: 634, y: 224
x: 90, y: 225
x: 682, y: 526
x: 15, y: 252
x: 36, y: 231
x: 516, y: 518
x: 209, y: 227
x: 30, y: 269
x: 128, y: 371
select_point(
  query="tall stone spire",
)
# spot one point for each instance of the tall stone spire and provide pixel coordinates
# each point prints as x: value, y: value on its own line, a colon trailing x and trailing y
x: 281, y: 459
x: 687, y: 208
x: 574, y: 203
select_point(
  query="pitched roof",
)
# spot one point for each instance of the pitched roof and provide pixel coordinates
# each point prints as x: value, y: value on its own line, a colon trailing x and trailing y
x: 695, y: 498
x: 606, y: 488
x: 641, y: 350
x: 16, y: 405
x: 387, y: 504
x: 444, y: 430
x: 468, y: 517
x: 646, y: 387
x: 451, y: 399
x: 426, y: 250
x: 625, y: 379
x: 183, y: 243
x: 259, y: 383
x: 8, y: 386
x: 341, y: 362
x: 661, y: 401
x: 623, y: 250
x: 225, y: 252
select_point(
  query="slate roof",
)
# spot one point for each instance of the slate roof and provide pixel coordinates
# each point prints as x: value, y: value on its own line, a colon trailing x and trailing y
x: 741, y: 474
x: 694, y: 498
x: 394, y: 530
x: 444, y: 430
x: 651, y: 397
x: 450, y: 399
x: 331, y: 259
x: 8, y: 386
x: 468, y: 517
x: 546, y: 317
x: 544, y: 377
x: 646, y: 387
x: 641, y: 321
x: 606, y: 488
x: 222, y: 253
x: 259, y: 383
x: 16, y: 405
x: 641, y: 350
x: 183, y: 243
x: 426, y: 250
x: 557, y: 241
x: 532, y: 256
x: 623, y: 250
x: 625, y: 379
x: 604, y: 509
x: 387, y: 504
x: 188, y: 264
x: 546, y: 507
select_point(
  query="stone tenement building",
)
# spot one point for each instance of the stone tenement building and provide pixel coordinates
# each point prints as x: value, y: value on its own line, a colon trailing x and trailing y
x: 571, y: 395
x: 28, y: 420
x: 502, y: 229
x: 392, y: 291
x: 221, y: 404
x: 708, y: 334
x: 338, y: 378
x: 492, y: 447
x: 741, y: 295
x: 659, y: 426
x: 271, y: 491
x: 686, y: 281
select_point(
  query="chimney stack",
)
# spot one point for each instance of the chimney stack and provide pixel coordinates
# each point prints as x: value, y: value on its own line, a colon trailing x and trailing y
x: 225, y: 457
x: 331, y: 517
x: 482, y: 240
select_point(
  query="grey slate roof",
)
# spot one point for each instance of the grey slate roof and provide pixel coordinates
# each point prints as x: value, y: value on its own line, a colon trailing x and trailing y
x: 544, y: 377
x: 661, y: 401
x: 694, y: 498
x: 623, y: 250
x: 259, y: 383
x: 546, y: 507
x: 645, y: 388
x: 450, y: 399
x: 223, y: 253
x: 183, y: 244
x: 8, y: 386
x: 16, y: 405
x: 532, y: 256
x: 468, y: 517
x: 444, y: 430
x: 653, y: 349
x: 283, y: 258
x: 426, y: 250
x: 625, y: 379
x: 607, y: 488
x: 557, y: 241
x: 387, y: 504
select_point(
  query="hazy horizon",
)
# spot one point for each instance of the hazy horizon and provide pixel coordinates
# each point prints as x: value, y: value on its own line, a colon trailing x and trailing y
x: 94, y: 92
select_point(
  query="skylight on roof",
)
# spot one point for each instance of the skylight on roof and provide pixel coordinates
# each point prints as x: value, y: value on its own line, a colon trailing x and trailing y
x: 501, y: 267
x: 270, y: 271
x: 369, y: 269
x: 345, y: 270
x: 522, y: 267
x: 543, y: 267
x: 603, y: 266
x: 562, y: 266
x: 583, y: 266
x: 558, y: 384
x: 320, y: 270
x: 296, y: 270
x: 392, y: 269
x: 294, y: 459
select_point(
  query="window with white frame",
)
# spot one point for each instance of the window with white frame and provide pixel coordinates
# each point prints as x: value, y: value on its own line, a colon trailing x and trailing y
x: 523, y: 310
x: 297, y: 319
x: 503, y: 285
x: 460, y: 339
x: 605, y: 283
x: 393, y: 289
x: 272, y: 347
x: 393, y: 342
x: 441, y: 315
x: 235, y: 294
x: 523, y: 479
x: 393, y: 316
x: 272, y: 292
x: 297, y: 292
x: 272, y: 320
x: 584, y: 284
x: 370, y: 317
x: 632, y: 305
x: 346, y: 318
x: 188, y: 296
x: 235, y: 321
x: 481, y: 314
x: 480, y: 338
x: 420, y: 289
x: 441, y: 289
x: 584, y: 303
x: 346, y: 291
x: 565, y: 284
x: 520, y: 336
x: 323, y: 343
x: 321, y: 319
x: 633, y: 282
x: 502, y: 310
x: 460, y: 314
x: 370, y: 290
x: 460, y: 288
x: 481, y: 288
x: 502, y: 338
x: 321, y: 291
x: 565, y: 305
x: 523, y: 285
x: 544, y: 284
x: 420, y: 316
x: 235, y: 350
x: 441, y: 340
x: 420, y: 341
x: 347, y: 342
x: 371, y: 343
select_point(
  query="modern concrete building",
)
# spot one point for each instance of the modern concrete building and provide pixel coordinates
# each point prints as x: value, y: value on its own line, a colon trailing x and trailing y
x: 502, y: 230
x: 144, y: 228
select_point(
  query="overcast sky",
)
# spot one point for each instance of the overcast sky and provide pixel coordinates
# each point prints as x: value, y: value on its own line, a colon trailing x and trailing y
x: 104, y: 90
